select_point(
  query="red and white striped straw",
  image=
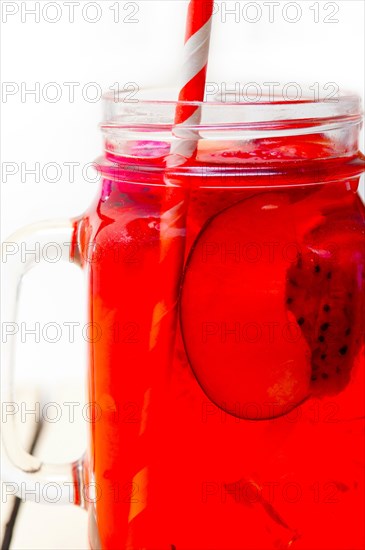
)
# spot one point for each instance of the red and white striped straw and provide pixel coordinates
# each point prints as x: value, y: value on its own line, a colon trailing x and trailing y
x: 194, y: 71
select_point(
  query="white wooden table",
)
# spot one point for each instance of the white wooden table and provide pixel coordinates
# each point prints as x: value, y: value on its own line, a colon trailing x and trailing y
x: 50, y: 527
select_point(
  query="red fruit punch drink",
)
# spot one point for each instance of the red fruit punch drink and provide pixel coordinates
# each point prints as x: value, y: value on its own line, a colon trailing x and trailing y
x: 227, y: 297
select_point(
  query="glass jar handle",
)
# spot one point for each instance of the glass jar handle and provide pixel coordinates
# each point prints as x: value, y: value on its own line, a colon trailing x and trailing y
x: 31, y: 479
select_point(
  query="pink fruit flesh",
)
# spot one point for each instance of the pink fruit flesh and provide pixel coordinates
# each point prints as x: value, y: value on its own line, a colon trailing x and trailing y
x: 234, y: 318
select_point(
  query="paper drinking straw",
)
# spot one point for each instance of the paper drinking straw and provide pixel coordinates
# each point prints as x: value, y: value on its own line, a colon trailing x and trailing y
x: 194, y: 71
x: 175, y: 200
x: 172, y: 240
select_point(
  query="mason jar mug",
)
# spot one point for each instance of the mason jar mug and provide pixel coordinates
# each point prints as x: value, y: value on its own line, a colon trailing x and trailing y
x: 226, y: 295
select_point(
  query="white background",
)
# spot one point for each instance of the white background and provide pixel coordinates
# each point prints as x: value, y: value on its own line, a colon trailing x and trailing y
x: 146, y: 52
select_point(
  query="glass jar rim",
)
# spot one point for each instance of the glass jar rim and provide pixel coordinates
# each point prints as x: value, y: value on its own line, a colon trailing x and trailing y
x: 153, y: 109
x: 246, y: 139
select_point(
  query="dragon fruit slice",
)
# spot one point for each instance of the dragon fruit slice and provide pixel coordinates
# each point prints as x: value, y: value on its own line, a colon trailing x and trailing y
x: 234, y: 318
x: 325, y: 293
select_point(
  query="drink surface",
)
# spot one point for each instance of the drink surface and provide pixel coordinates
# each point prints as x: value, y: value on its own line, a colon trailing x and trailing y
x: 227, y: 363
